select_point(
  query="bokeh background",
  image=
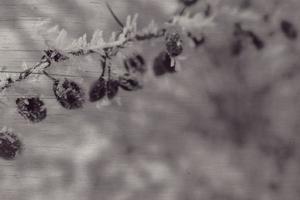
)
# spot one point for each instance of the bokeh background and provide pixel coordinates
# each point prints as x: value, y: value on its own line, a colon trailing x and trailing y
x: 222, y: 128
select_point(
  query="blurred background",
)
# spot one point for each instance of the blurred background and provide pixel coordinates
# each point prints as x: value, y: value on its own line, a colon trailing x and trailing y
x: 223, y: 128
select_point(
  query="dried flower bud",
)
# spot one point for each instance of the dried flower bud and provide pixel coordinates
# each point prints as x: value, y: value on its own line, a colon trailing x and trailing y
x: 135, y: 64
x: 98, y: 90
x: 32, y: 109
x: 55, y: 55
x: 10, y: 145
x: 112, y: 88
x: 162, y: 64
x: 174, y: 44
x: 68, y: 94
x: 129, y: 83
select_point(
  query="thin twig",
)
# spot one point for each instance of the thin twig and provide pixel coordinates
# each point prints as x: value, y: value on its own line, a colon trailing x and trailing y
x: 49, y: 76
x: 41, y: 73
x: 103, y: 65
x: 114, y: 15
x: 182, y: 11
x: 110, y: 49
x: 25, y: 74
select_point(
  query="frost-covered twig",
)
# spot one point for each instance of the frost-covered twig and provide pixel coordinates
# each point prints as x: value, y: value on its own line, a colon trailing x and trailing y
x: 43, y: 64
x: 60, y: 50
x: 81, y: 47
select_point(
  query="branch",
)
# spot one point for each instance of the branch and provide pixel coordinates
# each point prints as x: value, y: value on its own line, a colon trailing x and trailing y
x: 97, y: 45
x: 43, y: 64
x: 113, y: 47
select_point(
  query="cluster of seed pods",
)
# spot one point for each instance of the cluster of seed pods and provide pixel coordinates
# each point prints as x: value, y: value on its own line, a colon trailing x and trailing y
x: 109, y: 86
x: 71, y: 96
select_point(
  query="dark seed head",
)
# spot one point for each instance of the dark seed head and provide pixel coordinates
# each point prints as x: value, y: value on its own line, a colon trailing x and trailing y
x: 188, y: 2
x: 10, y: 145
x: 98, y: 90
x: 162, y: 64
x: 288, y: 29
x: 135, y: 63
x: 129, y: 83
x: 32, y: 109
x: 174, y: 44
x: 9, y: 80
x: 112, y: 88
x: 68, y: 94
x: 140, y: 59
x: 55, y: 55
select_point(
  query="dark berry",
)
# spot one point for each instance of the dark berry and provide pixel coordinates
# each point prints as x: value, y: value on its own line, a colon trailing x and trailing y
x: 98, y: 90
x: 32, y: 109
x: 129, y: 83
x: 174, y: 44
x: 162, y: 64
x: 10, y: 145
x: 289, y: 30
x: 188, y: 2
x: 112, y: 88
x: 68, y: 94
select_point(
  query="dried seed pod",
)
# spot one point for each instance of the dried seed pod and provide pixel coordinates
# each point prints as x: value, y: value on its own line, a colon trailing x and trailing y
x: 162, y: 64
x: 10, y: 145
x: 55, y: 55
x: 69, y: 94
x: 32, y: 109
x: 129, y: 83
x: 98, y: 90
x: 135, y: 64
x: 188, y: 2
x: 174, y: 44
x: 288, y: 29
x: 112, y: 88
x: 141, y: 67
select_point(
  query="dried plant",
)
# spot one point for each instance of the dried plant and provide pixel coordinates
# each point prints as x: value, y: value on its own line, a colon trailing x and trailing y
x: 184, y: 25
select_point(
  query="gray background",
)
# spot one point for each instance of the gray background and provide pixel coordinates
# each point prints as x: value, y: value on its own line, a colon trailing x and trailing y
x: 197, y: 134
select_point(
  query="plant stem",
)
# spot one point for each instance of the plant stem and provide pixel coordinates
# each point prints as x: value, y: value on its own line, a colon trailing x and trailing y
x: 114, y: 15
x: 103, y: 64
x: 49, y: 76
